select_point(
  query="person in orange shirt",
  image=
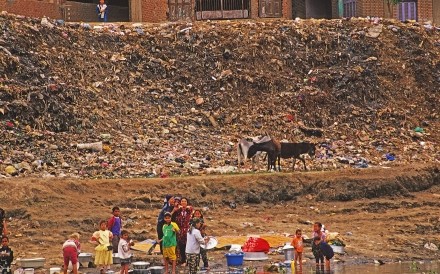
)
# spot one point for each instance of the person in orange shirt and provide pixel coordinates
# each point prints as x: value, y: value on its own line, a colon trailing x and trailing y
x: 297, y: 243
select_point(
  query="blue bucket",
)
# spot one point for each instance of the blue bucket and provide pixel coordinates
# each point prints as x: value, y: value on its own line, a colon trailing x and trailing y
x: 233, y: 259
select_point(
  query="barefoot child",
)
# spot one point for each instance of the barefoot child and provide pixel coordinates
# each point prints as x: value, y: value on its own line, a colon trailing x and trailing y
x: 71, y: 249
x: 124, y: 251
x: 203, y: 252
x: 102, y: 238
x: 192, y: 249
x: 297, y: 243
x: 115, y: 226
x: 322, y: 250
x: 169, y: 242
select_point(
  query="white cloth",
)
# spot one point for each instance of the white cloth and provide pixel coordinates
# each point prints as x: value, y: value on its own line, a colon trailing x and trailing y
x: 69, y: 243
x: 193, y: 241
x: 102, y: 9
x: 124, y: 251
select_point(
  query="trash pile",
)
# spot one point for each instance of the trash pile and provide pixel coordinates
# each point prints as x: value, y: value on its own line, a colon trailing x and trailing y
x: 144, y: 100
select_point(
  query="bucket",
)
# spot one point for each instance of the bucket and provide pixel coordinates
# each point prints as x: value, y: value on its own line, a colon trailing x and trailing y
x: 156, y: 270
x: 54, y: 270
x: 141, y: 271
x: 28, y: 271
x: 140, y: 265
x: 289, y: 253
x: 234, y: 259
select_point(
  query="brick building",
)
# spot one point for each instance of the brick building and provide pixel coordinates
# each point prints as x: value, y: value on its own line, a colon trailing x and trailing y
x: 172, y: 10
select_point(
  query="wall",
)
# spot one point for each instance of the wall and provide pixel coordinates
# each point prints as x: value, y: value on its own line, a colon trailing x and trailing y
x: 154, y: 11
x: 425, y: 10
x: 436, y: 12
x: 33, y: 8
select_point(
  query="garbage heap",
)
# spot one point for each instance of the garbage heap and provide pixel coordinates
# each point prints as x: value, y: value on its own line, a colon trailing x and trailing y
x: 145, y: 100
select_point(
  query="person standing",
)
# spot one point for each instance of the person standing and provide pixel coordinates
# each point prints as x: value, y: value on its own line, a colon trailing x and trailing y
x: 192, y: 247
x: 169, y: 242
x: 6, y: 256
x: 102, y: 238
x: 297, y: 243
x: 124, y: 251
x: 102, y: 11
x: 168, y: 205
x: 203, y: 252
x: 114, y: 224
x: 183, y: 218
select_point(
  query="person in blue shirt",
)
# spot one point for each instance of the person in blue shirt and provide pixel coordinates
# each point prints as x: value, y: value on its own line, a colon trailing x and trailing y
x: 102, y: 11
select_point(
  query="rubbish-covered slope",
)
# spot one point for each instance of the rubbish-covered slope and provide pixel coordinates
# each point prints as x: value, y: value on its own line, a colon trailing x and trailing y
x: 178, y: 96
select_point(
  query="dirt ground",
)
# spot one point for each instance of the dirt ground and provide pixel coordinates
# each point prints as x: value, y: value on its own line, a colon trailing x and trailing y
x: 387, y: 214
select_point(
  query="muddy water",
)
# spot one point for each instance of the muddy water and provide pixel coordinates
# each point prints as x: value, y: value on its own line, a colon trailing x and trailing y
x: 427, y: 267
x: 395, y: 268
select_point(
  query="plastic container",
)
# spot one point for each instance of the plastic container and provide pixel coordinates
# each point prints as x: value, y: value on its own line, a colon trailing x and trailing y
x: 338, y: 249
x: 55, y: 270
x: 31, y: 263
x: 233, y: 259
x: 289, y: 253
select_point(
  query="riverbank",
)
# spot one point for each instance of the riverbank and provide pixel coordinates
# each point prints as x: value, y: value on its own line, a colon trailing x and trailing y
x: 382, y: 214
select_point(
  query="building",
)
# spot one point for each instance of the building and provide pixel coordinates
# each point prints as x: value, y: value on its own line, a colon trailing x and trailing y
x: 173, y: 10
x: 420, y: 10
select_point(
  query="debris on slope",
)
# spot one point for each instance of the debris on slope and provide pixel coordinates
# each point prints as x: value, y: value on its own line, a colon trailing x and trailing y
x: 172, y: 99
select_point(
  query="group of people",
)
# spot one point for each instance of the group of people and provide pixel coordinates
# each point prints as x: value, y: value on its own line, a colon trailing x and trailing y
x: 181, y: 231
x: 321, y: 250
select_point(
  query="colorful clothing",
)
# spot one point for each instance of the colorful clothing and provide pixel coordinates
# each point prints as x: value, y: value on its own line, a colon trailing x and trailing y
x: 103, y: 256
x: 5, y: 261
x: 182, y: 217
x: 71, y: 249
x: 115, y: 226
x: 169, y: 235
x: 102, y: 11
x: 193, y: 262
x: 160, y: 220
x: 297, y: 243
x: 169, y: 253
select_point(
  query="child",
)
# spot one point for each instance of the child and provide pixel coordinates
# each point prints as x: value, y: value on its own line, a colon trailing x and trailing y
x: 3, y: 229
x: 124, y: 251
x: 71, y: 249
x: 102, y: 11
x: 6, y: 256
x: 193, y: 241
x: 102, y: 238
x: 169, y: 242
x: 203, y: 252
x: 297, y: 243
x: 322, y: 250
x: 318, y: 231
x: 115, y: 226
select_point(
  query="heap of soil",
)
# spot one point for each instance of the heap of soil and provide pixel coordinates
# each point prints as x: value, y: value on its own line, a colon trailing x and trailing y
x: 178, y: 96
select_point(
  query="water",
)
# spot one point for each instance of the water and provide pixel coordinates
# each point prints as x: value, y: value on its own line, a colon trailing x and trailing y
x: 389, y: 268
x: 392, y: 268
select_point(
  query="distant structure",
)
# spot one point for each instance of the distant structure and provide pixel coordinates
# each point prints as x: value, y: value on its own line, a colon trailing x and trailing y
x: 155, y: 11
